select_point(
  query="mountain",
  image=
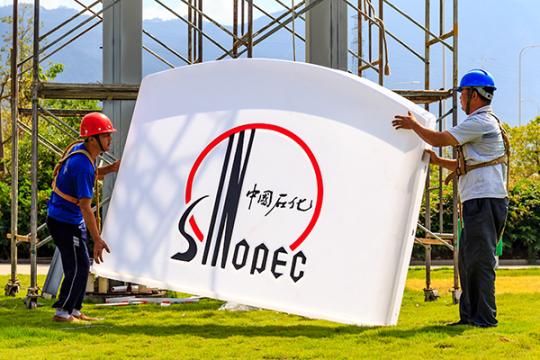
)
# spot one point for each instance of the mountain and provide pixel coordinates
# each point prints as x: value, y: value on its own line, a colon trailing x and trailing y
x: 82, y: 58
x: 491, y: 36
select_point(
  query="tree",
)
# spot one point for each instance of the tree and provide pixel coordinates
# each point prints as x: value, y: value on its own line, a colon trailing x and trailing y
x: 24, y: 39
x: 523, y: 226
x: 525, y: 151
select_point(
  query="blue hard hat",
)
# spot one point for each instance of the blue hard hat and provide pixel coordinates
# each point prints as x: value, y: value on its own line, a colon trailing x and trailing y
x: 477, y: 78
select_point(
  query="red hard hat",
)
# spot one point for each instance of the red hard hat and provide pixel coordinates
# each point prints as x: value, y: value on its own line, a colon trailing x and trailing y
x: 96, y: 123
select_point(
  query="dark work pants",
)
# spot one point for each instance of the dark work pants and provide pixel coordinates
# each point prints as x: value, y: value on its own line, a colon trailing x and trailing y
x: 483, y: 221
x: 71, y: 242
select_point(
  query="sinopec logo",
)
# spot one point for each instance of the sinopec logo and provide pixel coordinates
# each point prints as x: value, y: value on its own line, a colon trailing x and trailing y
x: 258, y: 190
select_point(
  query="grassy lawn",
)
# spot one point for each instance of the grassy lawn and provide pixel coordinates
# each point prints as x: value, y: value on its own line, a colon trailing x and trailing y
x: 200, y: 331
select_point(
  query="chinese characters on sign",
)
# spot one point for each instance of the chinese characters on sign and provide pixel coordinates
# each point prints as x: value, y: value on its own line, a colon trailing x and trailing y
x: 273, y: 200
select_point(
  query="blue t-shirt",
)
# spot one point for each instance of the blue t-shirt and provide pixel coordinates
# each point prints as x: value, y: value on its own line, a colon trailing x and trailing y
x: 75, y: 178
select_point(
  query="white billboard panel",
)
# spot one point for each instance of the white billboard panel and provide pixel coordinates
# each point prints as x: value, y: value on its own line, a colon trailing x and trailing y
x: 270, y: 183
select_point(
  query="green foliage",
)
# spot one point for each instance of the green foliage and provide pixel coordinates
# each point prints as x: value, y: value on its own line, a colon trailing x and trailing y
x: 24, y: 40
x: 525, y: 151
x: 5, y: 196
x: 523, y: 226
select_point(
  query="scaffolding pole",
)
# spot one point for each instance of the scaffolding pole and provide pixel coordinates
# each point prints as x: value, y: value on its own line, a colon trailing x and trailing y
x: 13, y: 285
x: 33, y: 290
x: 456, y: 293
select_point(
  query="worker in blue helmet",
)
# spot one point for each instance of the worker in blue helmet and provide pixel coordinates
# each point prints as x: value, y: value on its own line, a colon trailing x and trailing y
x: 481, y: 170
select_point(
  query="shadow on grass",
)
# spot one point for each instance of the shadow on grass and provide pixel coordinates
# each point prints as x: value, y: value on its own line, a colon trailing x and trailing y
x: 18, y: 303
x: 217, y: 331
x: 29, y: 319
x: 414, y: 332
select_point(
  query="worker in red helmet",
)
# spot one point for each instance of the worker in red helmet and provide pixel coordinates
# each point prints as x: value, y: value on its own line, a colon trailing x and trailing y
x: 69, y: 212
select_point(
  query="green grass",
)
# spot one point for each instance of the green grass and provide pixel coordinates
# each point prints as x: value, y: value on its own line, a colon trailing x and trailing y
x: 200, y: 331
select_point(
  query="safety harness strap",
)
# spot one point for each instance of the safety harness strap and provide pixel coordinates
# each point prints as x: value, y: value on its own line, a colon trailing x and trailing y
x: 66, y: 155
x: 463, y: 167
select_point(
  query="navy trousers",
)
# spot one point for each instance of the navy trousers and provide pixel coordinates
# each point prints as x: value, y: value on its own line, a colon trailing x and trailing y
x: 71, y: 242
x: 483, y: 221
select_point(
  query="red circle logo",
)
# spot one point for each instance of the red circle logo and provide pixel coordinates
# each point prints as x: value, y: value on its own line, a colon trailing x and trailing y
x: 268, y: 127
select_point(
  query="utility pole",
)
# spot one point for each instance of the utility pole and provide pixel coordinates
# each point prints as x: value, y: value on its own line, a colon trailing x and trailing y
x: 520, y: 60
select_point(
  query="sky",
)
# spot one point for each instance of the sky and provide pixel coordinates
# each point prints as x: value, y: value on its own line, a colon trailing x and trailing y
x: 509, y: 26
x: 220, y: 10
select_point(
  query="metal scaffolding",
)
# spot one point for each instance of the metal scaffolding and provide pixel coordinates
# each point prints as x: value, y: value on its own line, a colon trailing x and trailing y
x: 371, y: 51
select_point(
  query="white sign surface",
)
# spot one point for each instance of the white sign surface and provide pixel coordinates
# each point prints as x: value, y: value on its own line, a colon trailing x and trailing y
x: 270, y: 183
